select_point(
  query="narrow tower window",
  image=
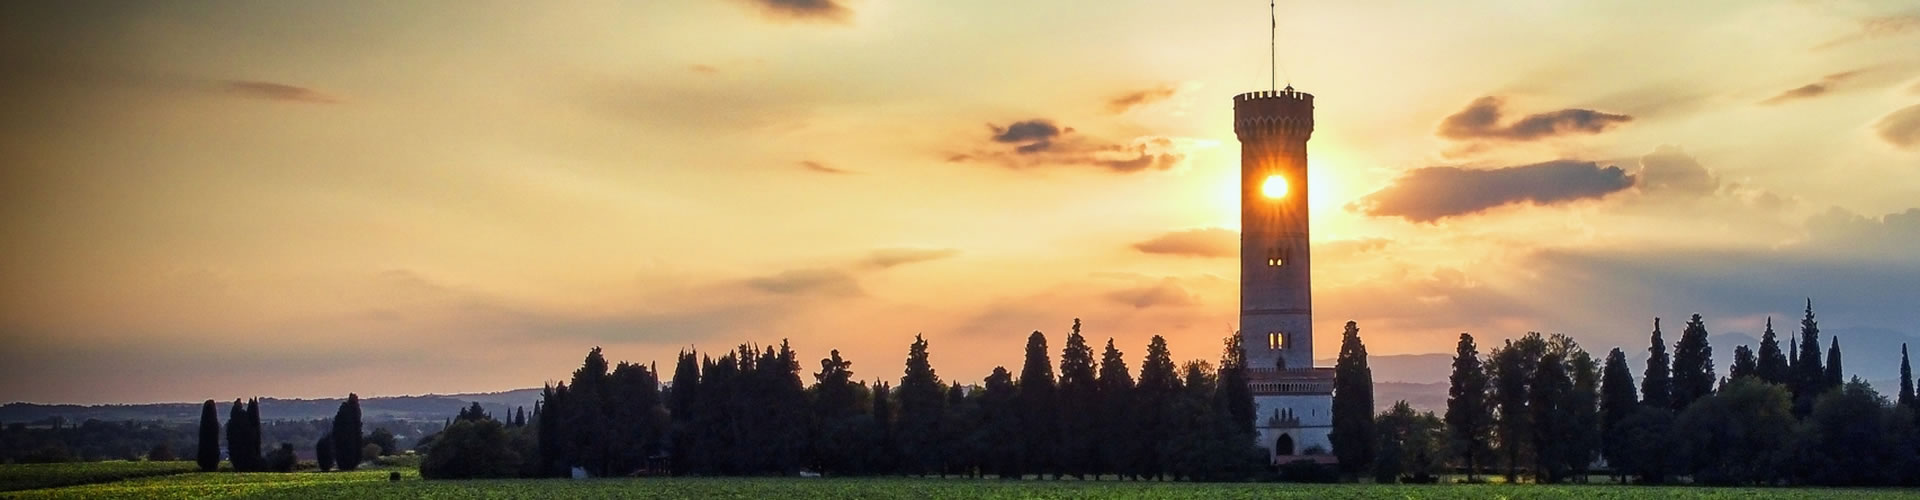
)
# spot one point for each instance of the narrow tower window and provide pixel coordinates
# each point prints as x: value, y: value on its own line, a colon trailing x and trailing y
x: 1276, y: 340
x: 1276, y: 258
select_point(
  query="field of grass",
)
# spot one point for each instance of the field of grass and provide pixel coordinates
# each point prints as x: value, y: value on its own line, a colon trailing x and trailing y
x: 372, y: 484
x: 31, y: 476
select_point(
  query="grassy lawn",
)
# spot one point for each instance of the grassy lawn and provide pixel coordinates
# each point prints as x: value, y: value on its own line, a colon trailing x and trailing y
x: 372, y: 483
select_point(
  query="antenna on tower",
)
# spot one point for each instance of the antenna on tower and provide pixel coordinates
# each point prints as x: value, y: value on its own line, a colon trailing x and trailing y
x: 1273, y: 43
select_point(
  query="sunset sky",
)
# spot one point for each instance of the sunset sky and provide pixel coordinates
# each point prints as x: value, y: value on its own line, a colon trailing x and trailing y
x: 302, y: 199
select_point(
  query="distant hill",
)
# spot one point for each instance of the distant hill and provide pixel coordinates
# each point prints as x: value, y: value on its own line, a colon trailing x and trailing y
x: 432, y: 407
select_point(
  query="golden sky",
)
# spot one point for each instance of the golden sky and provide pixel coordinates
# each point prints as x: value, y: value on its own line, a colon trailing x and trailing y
x: 299, y: 199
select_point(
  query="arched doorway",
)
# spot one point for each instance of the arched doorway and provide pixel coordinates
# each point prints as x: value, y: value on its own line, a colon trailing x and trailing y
x: 1283, y: 446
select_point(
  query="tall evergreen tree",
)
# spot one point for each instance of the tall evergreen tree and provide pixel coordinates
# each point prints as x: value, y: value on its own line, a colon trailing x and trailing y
x: 1656, y: 382
x: 682, y: 395
x: 323, y: 453
x: 921, y: 403
x: 1079, y: 396
x: 1352, y: 434
x: 1235, y: 394
x: 1809, y: 379
x: 1583, y: 440
x: 1512, y: 375
x: 243, y: 441
x: 1693, y: 375
x: 1118, y: 444
x: 1744, y: 364
x: 1835, y: 377
x: 1906, y: 381
x: 835, y: 406
x: 882, y: 458
x: 1771, y: 365
x: 208, y: 456
x: 346, y: 433
x: 1469, y: 415
x: 1617, y: 401
x: 1550, y: 418
x: 1038, y: 413
x: 1002, y: 420
x: 1153, y: 399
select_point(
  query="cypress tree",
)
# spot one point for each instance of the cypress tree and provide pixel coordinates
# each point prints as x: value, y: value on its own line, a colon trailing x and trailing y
x: 882, y: 457
x: 681, y: 399
x: 1235, y: 394
x: 1834, y: 376
x: 208, y: 456
x: 1809, y: 379
x: 1512, y: 375
x: 1906, y: 380
x: 1038, y: 416
x: 1352, y: 433
x: 835, y: 403
x: 1744, y: 364
x: 1771, y: 364
x: 921, y: 401
x: 1156, y: 425
x: 346, y: 433
x: 1550, y: 417
x: 323, y: 453
x: 1079, y: 398
x: 1469, y: 416
x: 1693, y: 375
x: 1617, y: 401
x: 1119, y: 446
x: 1656, y: 381
x: 1582, y: 406
x: 1002, y: 416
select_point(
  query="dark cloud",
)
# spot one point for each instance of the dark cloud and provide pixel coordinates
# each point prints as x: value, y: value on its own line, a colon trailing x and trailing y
x: 1481, y: 120
x: 277, y: 92
x: 814, y: 166
x: 1668, y: 169
x: 1165, y: 293
x: 1877, y: 27
x: 1126, y: 102
x: 804, y: 10
x: 1902, y: 128
x: 1825, y: 85
x: 1040, y: 142
x: 1207, y: 242
x: 1433, y: 193
x: 888, y: 258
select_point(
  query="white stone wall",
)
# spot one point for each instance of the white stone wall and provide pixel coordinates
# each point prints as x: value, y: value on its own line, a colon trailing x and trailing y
x: 1315, y: 412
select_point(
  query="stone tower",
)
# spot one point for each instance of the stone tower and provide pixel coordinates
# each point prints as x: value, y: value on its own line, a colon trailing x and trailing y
x: 1293, y: 399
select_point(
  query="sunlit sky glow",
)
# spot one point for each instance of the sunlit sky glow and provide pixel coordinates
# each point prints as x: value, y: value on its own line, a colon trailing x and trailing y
x: 300, y: 199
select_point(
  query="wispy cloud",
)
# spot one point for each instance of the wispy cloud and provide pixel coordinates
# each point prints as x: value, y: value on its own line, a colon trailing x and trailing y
x: 277, y: 92
x: 1815, y: 89
x: 814, y: 166
x: 1433, y: 193
x: 1128, y: 101
x: 1901, y: 128
x: 1482, y: 120
x: 834, y: 11
x: 1040, y: 142
x: 888, y: 258
x: 1877, y: 27
x: 1205, y: 242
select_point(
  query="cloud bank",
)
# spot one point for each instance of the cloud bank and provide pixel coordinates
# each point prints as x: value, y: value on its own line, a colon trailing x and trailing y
x: 1481, y: 120
x: 1207, y: 242
x: 1433, y: 193
x: 1039, y: 142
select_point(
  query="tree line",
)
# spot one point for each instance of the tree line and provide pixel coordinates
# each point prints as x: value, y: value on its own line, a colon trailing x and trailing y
x: 243, y: 440
x: 748, y: 412
x: 1539, y: 408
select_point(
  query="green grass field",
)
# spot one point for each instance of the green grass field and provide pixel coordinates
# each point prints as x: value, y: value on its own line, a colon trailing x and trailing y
x: 372, y: 484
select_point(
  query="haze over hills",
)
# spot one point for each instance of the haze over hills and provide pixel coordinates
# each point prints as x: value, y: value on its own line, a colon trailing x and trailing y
x: 430, y: 407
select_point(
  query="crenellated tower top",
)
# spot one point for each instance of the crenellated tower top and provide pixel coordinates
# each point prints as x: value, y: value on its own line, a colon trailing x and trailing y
x: 1286, y: 112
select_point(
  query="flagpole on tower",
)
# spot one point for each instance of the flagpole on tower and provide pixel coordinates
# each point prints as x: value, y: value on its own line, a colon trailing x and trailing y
x: 1273, y: 43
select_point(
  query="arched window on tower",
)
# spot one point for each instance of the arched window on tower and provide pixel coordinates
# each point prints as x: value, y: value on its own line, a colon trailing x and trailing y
x: 1276, y: 341
x: 1276, y: 257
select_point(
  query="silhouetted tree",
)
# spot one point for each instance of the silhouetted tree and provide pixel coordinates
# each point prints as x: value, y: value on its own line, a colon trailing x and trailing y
x: 1001, y: 413
x: 243, y: 438
x: 1352, y: 433
x: 1037, y: 408
x: 1906, y: 381
x: 1410, y: 445
x: 1582, y: 437
x: 1617, y: 402
x: 1744, y: 364
x: 1118, y: 444
x: 1772, y: 365
x: 1469, y: 415
x: 323, y: 452
x: 1646, y: 442
x: 1550, y: 417
x: 921, y: 404
x: 1737, y: 435
x: 1512, y: 376
x: 835, y: 404
x: 1154, y: 399
x: 1656, y: 382
x: 680, y: 402
x: 384, y: 439
x: 882, y: 459
x: 1079, y: 396
x: 281, y: 459
x: 1851, y: 439
x: 472, y: 449
x: 208, y: 455
x: 346, y: 433
x: 638, y: 419
x: 1809, y: 379
x: 1834, y: 374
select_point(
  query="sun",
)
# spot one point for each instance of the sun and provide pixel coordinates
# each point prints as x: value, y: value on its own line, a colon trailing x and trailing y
x: 1274, y: 187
